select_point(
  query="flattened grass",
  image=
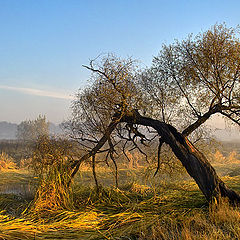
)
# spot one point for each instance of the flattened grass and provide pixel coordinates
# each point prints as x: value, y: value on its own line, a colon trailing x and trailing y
x: 158, y: 209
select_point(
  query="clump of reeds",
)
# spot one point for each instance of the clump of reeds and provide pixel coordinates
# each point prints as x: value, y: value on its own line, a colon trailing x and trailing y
x: 52, y: 166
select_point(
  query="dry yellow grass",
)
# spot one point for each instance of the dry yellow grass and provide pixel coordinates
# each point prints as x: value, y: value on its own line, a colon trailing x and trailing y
x: 6, y: 162
x: 154, y: 210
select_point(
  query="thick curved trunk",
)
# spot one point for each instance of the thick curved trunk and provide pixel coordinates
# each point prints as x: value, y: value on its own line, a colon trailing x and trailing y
x: 194, y: 161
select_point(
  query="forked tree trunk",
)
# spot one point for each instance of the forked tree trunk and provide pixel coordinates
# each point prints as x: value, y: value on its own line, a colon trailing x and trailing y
x: 194, y: 161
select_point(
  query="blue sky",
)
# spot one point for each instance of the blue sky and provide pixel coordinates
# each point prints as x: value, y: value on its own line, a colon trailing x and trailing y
x: 43, y: 44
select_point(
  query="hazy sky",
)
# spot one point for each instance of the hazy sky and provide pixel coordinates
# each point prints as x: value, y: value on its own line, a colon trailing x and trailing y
x: 43, y: 44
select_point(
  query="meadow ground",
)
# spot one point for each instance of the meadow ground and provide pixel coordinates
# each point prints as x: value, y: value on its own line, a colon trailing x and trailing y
x: 141, y: 208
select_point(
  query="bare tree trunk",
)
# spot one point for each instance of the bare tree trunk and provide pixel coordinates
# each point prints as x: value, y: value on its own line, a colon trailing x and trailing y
x: 194, y: 161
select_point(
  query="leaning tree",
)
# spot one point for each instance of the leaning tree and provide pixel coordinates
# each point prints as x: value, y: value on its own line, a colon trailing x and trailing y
x: 119, y: 109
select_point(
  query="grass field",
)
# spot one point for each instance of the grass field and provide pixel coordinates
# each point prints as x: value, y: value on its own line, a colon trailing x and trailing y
x: 141, y: 208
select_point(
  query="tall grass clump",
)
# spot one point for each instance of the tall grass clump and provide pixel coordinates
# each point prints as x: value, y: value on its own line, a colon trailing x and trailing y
x: 51, y: 164
x: 221, y: 221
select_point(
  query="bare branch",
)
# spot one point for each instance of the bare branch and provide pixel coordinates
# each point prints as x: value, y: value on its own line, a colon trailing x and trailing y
x: 158, y: 156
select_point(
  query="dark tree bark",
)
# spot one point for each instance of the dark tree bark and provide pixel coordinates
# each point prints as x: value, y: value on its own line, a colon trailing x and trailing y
x: 75, y: 166
x: 217, y: 108
x: 194, y: 161
x: 201, y: 119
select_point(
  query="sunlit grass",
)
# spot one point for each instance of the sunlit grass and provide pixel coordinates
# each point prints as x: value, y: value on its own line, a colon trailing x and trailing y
x: 160, y: 208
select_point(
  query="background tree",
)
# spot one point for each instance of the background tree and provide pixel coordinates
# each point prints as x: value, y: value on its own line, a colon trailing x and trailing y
x: 30, y: 130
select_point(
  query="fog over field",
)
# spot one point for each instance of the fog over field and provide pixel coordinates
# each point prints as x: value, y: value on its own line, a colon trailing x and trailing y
x: 219, y: 130
x: 8, y: 130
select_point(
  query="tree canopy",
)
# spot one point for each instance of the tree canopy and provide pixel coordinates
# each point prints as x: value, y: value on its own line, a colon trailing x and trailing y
x: 197, y: 77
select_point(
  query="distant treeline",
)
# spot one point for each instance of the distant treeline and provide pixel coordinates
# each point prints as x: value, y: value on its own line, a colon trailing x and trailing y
x: 8, y: 130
